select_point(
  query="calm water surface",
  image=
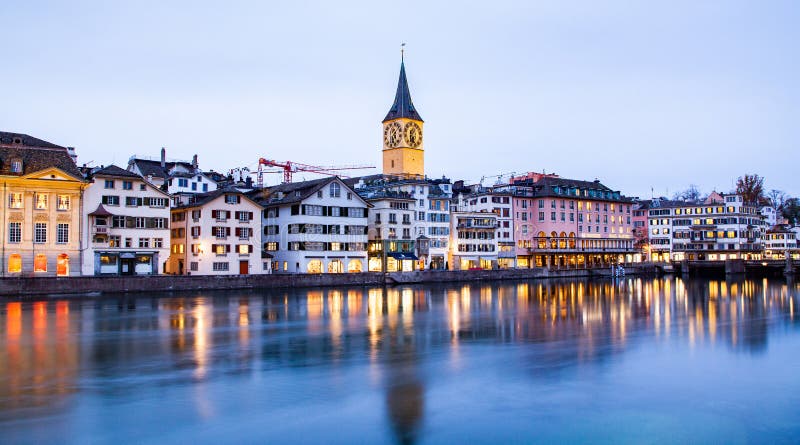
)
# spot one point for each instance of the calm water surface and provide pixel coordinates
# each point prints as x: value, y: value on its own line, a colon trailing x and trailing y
x: 631, y: 361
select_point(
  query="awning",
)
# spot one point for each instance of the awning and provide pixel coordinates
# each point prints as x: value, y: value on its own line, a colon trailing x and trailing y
x: 127, y: 255
x: 402, y: 256
x: 101, y: 211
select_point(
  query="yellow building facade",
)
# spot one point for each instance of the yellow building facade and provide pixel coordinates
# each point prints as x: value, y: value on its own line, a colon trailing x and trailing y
x: 403, y: 152
x: 42, y: 192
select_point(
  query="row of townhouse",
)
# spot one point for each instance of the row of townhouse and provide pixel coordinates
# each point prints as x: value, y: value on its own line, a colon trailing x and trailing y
x: 63, y: 220
x: 721, y: 227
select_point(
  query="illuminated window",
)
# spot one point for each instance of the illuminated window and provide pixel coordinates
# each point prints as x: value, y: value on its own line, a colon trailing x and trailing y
x: 14, y: 263
x: 40, y: 201
x: 62, y: 265
x: 62, y: 202
x: 15, y: 200
x: 40, y: 263
x: 243, y: 249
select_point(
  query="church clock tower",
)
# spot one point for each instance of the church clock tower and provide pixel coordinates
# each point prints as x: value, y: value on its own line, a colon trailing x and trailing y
x: 403, y: 154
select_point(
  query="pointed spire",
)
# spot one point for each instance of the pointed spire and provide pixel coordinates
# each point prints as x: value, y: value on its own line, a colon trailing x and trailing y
x: 402, y: 106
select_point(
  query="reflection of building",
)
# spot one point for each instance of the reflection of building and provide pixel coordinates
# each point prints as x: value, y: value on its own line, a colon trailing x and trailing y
x: 217, y: 233
x: 474, y: 242
x: 41, y: 208
x: 317, y: 226
x: 127, y: 228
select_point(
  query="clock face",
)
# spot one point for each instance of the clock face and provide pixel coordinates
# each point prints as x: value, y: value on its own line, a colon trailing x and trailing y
x: 393, y: 135
x: 413, y: 135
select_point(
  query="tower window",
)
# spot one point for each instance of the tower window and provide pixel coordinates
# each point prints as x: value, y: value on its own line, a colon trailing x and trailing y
x: 393, y: 163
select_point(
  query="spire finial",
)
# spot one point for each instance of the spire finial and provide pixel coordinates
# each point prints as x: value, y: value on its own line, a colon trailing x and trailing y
x: 402, y: 52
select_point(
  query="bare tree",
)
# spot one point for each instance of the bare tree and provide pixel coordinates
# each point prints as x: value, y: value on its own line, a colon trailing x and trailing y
x: 751, y: 187
x: 690, y: 194
x: 776, y: 199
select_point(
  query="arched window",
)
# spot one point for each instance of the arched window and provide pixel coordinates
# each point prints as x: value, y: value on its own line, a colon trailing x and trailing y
x: 553, y: 240
x: 562, y: 241
x: 14, y: 263
x: 354, y: 266
x: 571, y: 240
x: 541, y: 240
x: 62, y: 265
x: 335, y: 266
x: 314, y: 266
x: 40, y: 263
x: 335, y: 189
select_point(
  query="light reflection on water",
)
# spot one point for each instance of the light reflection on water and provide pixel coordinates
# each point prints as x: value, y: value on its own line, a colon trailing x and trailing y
x: 485, y: 362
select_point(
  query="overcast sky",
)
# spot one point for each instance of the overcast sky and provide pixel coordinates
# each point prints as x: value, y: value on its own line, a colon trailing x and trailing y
x: 637, y: 94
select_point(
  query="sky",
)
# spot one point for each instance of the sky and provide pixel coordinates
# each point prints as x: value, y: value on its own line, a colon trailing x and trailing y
x: 648, y: 97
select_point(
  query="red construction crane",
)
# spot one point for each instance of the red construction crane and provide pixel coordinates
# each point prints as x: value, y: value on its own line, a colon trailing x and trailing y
x: 290, y: 167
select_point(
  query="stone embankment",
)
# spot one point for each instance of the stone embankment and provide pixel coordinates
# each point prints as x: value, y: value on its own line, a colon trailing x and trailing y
x: 30, y: 286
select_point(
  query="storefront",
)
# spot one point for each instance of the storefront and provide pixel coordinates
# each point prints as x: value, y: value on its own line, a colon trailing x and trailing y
x: 126, y: 263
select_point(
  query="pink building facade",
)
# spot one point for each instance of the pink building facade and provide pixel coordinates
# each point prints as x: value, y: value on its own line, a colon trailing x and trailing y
x: 565, y: 223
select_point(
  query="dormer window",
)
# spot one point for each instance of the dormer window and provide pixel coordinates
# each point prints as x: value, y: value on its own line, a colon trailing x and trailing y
x: 232, y: 199
x: 335, y: 190
x: 16, y: 166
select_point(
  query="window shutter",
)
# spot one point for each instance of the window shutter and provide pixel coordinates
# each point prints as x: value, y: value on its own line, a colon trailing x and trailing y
x: 238, y: 199
x: 227, y: 231
x: 325, y: 211
x: 250, y: 248
x: 324, y: 230
x: 214, y: 214
x: 227, y: 248
x: 250, y: 216
x: 227, y: 214
x: 238, y: 231
x: 129, y: 222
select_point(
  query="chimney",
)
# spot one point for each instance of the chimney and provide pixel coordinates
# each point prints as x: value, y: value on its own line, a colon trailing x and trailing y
x: 163, y: 157
x: 194, y: 162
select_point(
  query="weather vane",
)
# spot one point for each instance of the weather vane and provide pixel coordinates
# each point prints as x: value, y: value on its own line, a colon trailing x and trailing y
x: 402, y: 51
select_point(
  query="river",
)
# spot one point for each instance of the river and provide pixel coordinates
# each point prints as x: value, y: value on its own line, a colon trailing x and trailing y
x: 593, y: 361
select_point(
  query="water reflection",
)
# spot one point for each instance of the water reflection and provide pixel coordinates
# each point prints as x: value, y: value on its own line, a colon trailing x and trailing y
x: 56, y: 351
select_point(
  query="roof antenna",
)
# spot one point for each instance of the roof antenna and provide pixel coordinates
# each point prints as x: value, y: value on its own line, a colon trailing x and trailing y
x: 402, y: 52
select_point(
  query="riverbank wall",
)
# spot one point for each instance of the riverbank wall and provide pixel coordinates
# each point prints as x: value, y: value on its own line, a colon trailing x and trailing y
x: 28, y: 286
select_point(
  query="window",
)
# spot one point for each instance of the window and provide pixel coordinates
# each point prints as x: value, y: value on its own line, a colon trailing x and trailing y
x: 195, y: 231
x: 15, y: 200
x: 319, y: 193
x: 110, y: 200
x: 62, y: 202
x: 205, y: 187
x: 109, y: 184
x: 183, y: 182
x: 114, y: 241
x: 244, y: 249
x: 127, y: 185
x: 194, y: 266
x: 128, y: 242
x: 232, y: 199
x: 40, y: 201
x: 335, y: 190
x: 40, y: 233
x: 62, y: 233
x: 144, y: 243
x: 131, y: 201
x: 16, y: 166
x: 15, y: 232
x: 271, y: 246
x: 158, y: 243
x: 40, y: 263
x: 194, y: 186
x: 220, y: 267
x: 196, y: 214
x: 140, y: 223
x: 15, y: 263
x: 142, y: 187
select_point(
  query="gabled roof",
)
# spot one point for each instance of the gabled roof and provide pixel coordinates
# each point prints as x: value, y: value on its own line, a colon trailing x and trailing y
x: 547, y: 185
x: 201, y: 199
x: 101, y: 211
x: 35, y: 154
x: 402, y: 106
x: 294, y: 192
x: 153, y: 168
x: 117, y: 172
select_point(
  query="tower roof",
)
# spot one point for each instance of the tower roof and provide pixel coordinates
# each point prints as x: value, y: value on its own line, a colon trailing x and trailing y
x: 402, y: 106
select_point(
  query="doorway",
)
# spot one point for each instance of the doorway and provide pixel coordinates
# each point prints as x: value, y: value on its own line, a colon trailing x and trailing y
x: 244, y: 267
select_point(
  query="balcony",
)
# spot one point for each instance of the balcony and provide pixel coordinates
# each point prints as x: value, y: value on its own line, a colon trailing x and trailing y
x: 101, y: 230
x: 478, y: 225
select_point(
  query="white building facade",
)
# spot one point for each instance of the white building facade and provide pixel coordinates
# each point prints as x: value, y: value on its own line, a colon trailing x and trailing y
x: 126, y: 226
x: 219, y: 233
x: 473, y: 243
x: 318, y: 226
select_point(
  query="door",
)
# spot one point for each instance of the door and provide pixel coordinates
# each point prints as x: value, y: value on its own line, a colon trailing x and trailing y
x: 126, y: 266
x: 244, y: 267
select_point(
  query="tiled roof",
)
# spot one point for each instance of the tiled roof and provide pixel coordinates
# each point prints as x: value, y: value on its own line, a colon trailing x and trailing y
x: 547, y: 186
x: 113, y: 170
x: 153, y: 168
x: 291, y: 192
x: 35, y: 154
x: 200, y: 199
